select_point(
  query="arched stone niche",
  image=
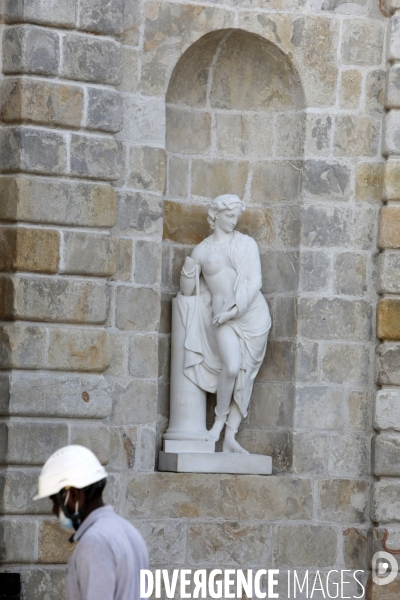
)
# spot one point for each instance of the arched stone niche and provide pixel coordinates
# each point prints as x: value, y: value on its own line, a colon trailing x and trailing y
x: 235, y: 124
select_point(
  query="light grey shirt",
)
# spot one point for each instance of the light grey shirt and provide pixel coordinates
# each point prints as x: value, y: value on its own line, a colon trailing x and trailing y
x: 106, y: 562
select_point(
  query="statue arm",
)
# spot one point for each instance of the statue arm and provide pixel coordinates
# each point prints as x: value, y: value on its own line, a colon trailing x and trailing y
x: 188, y: 275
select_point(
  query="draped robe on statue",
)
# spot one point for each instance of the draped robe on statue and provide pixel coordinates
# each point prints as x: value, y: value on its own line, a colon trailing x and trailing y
x: 252, y: 324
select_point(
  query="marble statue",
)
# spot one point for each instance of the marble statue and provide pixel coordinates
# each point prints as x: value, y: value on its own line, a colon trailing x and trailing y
x: 226, y: 327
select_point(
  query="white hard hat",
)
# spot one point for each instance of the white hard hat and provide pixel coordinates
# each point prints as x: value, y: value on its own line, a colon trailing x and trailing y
x: 71, y: 466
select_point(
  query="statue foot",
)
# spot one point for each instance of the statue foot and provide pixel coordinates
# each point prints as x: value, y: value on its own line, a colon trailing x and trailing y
x: 231, y: 445
x: 215, y: 431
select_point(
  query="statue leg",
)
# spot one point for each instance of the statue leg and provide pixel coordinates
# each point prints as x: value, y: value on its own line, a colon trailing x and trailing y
x: 232, y: 426
x: 229, y: 351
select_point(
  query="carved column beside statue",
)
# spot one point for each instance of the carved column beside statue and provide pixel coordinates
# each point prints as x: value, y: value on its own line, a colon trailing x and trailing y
x: 220, y: 326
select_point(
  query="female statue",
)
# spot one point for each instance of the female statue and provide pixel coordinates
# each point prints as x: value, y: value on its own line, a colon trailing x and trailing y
x: 226, y: 336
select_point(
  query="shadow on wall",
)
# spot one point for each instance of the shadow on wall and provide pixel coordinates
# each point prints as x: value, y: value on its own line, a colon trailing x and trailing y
x: 235, y: 124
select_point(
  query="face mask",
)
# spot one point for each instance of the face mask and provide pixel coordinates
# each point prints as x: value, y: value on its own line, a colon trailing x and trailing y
x: 63, y: 521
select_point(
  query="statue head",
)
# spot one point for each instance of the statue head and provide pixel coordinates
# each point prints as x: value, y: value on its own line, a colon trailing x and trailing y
x: 224, y: 202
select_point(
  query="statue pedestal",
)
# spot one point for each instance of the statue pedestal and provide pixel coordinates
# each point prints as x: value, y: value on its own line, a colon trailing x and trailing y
x: 217, y: 462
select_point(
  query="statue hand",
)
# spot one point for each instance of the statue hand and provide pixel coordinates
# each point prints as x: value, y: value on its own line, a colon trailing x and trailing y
x: 225, y: 316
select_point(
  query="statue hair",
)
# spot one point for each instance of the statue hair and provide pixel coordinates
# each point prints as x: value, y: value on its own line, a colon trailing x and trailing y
x: 222, y: 203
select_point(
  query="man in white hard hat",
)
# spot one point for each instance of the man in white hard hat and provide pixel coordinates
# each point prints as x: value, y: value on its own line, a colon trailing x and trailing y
x: 110, y: 553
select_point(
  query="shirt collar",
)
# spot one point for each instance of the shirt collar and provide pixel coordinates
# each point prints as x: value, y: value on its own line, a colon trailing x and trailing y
x: 91, y: 519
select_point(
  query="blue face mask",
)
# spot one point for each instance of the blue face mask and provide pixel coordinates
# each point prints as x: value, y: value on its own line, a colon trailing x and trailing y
x: 65, y: 522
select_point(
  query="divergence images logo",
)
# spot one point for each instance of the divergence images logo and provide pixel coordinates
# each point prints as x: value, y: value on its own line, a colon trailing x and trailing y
x: 381, y: 561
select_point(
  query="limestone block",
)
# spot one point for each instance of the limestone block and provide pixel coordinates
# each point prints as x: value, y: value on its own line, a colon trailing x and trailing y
x: 123, y: 448
x: 60, y: 299
x: 178, y: 258
x: 350, y: 89
x: 175, y: 495
x: 388, y: 319
x: 343, y: 363
x: 387, y: 409
x: 130, y: 68
x: 138, y: 308
x: 23, y: 530
x: 385, y: 505
x: 274, y: 444
x: 139, y: 212
x: 30, y: 50
x: 326, y: 180
x: 144, y: 121
x: 274, y: 181
x: 119, y: 354
x: 164, y: 540
x: 229, y: 543
x: 314, y: 271
x: 143, y: 356
x: 4, y: 394
x: 19, y: 487
x: 393, y: 88
x: 350, y: 274
x: 280, y: 271
x: 391, y: 6
x: 100, y: 17
x: 391, y: 132
x: 305, y: 546
x: 260, y: 224
x: 6, y: 298
x: 188, y: 132
x: 94, y: 436
x: 369, y: 181
x: 40, y: 583
x: 309, y: 453
x: 386, y: 453
x: 355, y: 549
x: 104, y: 110
x: 95, y: 157
x: 62, y: 14
x: 124, y: 252
x: 32, y: 442
x: 194, y: 217
x: 53, y: 544
x: 359, y: 410
x: 42, y: 102
x: 131, y: 23
x: 63, y: 202
x: 212, y: 178
x: 325, y: 226
x: 80, y: 349
x: 166, y: 313
x: 362, y: 42
x: 290, y: 135
x: 319, y: 408
x: 356, y: 136
x: 26, y: 249
x: 89, y: 254
x: 272, y: 405
x: 391, y: 180
x: 164, y: 357
x: 87, y: 58
x: 169, y: 29
x: 384, y: 538
x: 32, y: 151
x: 394, y: 41
x: 349, y: 455
x: 245, y: 135
x: 177, y: 178
x: 22, y: 346
x: 363, y: 227
x: 285, y: 319
x: 307, y: 362
x: 343, y: 500
x: 147, y: 450
x: 318, y: 134
x: 59, y: 395
x: 147, y: 169
x: 375, y: 91
x: 335, y: 319
x: 279, y: 363
x: 147, y: 262
x: 388, y: 364
x: 134, y: 402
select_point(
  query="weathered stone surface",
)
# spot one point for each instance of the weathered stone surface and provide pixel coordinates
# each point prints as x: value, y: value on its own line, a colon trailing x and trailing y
x: 175, y: 495
x: 143, y: 356
x: 59, y: 395
x: 23, y: 530
x: 391, y: 180
x: 350, y: 89
x: 26, y: 249
x: 245, y: 135
x: 393, y: 39
x: 388, y: 319
x: 147, y: 170
x: 134, y: 402
x: 51, y: 201
x: 95, y: 157
x: 177, y: 177
x: 30, y: 50
x: 94, y: 436
x: 389, y: 227
x: 362, y: 42
x: 43, y: 102
x: 41, y: 11
x: 393, y: 88
x: 102, y: 17
x: 276, y: 181
x: 318, y: 408
x: 375, y: 91
x: 279, y: 271
x: 19, y: 486
x: 124, y: 254
x: 53, y: 544
x: 277, y: 444
x: 6, y: 298
x: 290, y: 137
x: 387, y: 409
x: 386, y: 453
x: 325, y: 226
x: 32, y: 151
x: 104, y: 110
x: 188, y: 132
x: 388, y: 363
x: 147, y: 262
x: 355, y: 546
x: 79, y: 350
x: 285, y: 318
x: 147, y: 449
x: 356, y: 136
x: 163, y: 540
x: 39, y: 584
x: 391, y: 132
x: 60, y: 299
x: 32, y: 442
x: 279, y: 364
x: 342, y: 363
x: 194, y: 218
x: 343, y: 500
x: 144, y: 121
x: 369, y: 181
x: 89, y: 59
x: 305, y: 546
x: 272, y: 405
x: 22, y: 346
x: 335, y: 319
x: 349, y: 455
x: 318, y: 134
x: 326, y: 180
x: 130, y: 69
x: 350, y: 274
x: 139, y: 212
x: 307, y: 362
x: 123, y: 449
x: 213, y: 178
x: 359, y: 410
x: 309, y: 453
x: 138, y: 308
x: 314, y: 271
x: 89, y: 254
x: 386, y: 501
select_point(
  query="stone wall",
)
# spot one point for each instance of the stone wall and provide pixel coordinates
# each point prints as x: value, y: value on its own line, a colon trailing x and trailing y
x: 120, y: 120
